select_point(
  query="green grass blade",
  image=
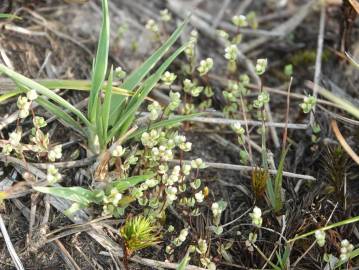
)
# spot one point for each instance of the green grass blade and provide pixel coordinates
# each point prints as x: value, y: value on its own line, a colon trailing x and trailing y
x: 10, y: 94
x: 343, y: 103
x: 124, y: 184
x: 61, y: 114
x: 278, y: 182
x: 99, y: 125
x: 9, y: 16
x: 270, y: 193
x: 351, y: 256
x: 142, y: 93
x: 184, y: 262
x: 20, y: 79
x: 331, y: 226
x: 100, y: 64
x: 140, y: 73
x: 81, y: 85
x: 107, y: 104
x: 76, y: 194
x: 164, y: 123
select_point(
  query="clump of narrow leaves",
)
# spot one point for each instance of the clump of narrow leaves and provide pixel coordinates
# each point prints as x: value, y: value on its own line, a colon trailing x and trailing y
x: 138, y: 233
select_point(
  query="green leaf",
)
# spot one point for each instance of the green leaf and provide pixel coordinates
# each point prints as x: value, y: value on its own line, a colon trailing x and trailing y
x: 9, y: 16
x: 343, y: 103
x: 331, y: 226
x: 100, y: 63
x: 81, y: 85
x: 79, y: 195
x: 164, y: 123
x: 278, y: 182
x: 140, y: 73
x: 61, y: 114
x: 74, y: 208
x: 270, y: 192
x: 124, y: 184
x: 142, y: 93
x: 99, y: 124
x: 184, y: 262
x: 107, y: 104
x: 22, y: 80
x: 10, y: 94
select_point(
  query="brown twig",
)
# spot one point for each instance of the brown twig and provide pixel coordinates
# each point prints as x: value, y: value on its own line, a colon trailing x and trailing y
x: 225, y: 121
x: 318, y: 60
x: 226, y: 166
x: 343, y: 142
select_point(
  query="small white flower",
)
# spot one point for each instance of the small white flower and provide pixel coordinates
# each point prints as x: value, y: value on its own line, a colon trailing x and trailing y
x: 152, y: 182
x: 155, y: 110
x: 202, y: 246
x: 308, y: 103
x: 168, y: 78
x: 22, y: 102
x: 150, y: 139
x: 215, y: 209
x: 205, y: 66
x: 15, y: 138
x: 53, y: 175
x: 199, y: 196
x: 198, y: 164
x: 175, y: 100
x: 262, y: 99
x: 257, y: 212
x: 196, y: 91
x: 152, y: 26
x: 261, y: 66
x: 187, y: 146
x: 320, y: 237
x: 23, y: 113
x: 55, y: 153
x: 171, y: 193
x: 237, y: 128
x: 118, y: 151
x: 183, y: 235
x: 120, y: 73
x: 240, y: 21
x: 179, y: 139
x: 256, y: 216
x: 345, y: 249
x: 231, y: 53
x: 24, y: 106
x: 7, y: 149
x: 32, y: 95
x: 186, y: 169
x: 116, y: 199
x: 188, y: 85
x: 39, y: 122
x: 222, y: 34
x: 165, y: 15
x: 196, y: 183
x: 170, y: 228
x: 169, y: 250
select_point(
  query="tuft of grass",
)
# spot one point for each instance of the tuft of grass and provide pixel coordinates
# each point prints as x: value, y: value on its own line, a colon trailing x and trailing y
x: 113, y: 116
x: 335, y: 164
x: 139, y: 233
x: 259, y: 182
x: 274, y: 190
